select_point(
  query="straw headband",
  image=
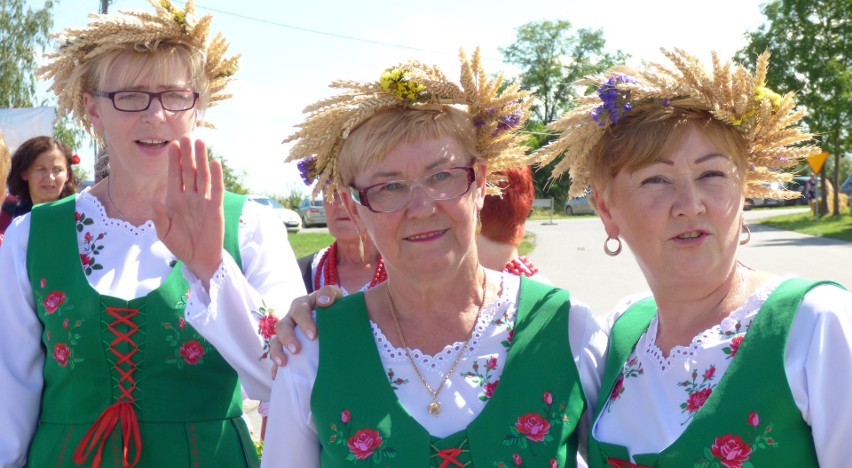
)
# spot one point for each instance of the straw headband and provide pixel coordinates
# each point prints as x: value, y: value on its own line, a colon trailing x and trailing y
x: 497, y: 116
x: 134, y: 31
x: 731, y: 95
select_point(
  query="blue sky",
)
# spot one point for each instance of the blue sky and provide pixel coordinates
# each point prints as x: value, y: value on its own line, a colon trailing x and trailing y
x: 292, y: 49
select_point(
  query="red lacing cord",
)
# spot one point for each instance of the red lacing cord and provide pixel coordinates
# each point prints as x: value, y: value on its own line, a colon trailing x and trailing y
x: 616, y: 463
x: 450, y: 455
x: 122, y: 411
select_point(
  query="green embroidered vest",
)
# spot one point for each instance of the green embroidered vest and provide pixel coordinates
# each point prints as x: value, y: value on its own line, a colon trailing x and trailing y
x: 133, y: 370
x: 539, y: 387
x: 751, y: 416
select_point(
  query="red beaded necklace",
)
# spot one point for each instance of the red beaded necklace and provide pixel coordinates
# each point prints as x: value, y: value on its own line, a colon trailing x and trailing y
x: 521, y: 267
x: 327, y: 267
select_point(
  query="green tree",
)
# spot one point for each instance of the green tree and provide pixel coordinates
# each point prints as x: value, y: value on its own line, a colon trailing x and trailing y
x: 810, y: 42
x: 23, y: 31
x: 234, y: 179
x: 551, y: 59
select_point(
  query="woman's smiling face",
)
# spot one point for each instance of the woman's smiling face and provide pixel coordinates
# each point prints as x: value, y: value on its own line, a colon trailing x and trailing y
x: 681, y: 215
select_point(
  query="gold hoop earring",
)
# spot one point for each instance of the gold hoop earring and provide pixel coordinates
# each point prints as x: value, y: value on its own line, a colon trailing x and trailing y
x: 748, y: 235
x: 612, y: 253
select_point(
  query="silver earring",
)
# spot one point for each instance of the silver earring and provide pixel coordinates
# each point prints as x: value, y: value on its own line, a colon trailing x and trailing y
x: 748, y: 235
x: 608, y: 251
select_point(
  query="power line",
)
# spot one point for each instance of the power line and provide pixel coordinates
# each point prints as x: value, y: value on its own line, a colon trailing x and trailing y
x: 329, y: 34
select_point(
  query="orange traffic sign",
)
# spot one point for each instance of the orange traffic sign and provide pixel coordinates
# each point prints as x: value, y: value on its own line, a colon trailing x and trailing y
x: 817, y: 160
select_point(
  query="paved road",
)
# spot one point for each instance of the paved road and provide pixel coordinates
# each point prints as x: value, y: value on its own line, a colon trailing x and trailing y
x: 570, y: 254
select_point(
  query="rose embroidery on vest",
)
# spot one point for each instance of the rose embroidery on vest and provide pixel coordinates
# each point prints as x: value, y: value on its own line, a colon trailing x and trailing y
x: 731, y: 350
x: 731, y: 451
x: 189, y: 346
x: 52, y: 301
x: 364, y: 444
x: 532, y: 428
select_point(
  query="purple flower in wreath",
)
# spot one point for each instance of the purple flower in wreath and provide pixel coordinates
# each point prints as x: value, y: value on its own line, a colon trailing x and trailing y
x: 306, y: 169
x: 615, y: 102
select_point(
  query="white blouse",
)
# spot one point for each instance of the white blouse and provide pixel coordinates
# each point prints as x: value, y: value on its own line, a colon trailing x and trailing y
x: 131, y: 263
x: 291, y: 435
x: 659, y: 395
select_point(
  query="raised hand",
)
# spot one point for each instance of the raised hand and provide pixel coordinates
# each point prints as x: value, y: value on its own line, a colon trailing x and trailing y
x: 191, y: 223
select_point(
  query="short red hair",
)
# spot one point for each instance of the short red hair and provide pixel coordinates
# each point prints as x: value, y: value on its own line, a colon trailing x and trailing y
x: 503, y: 218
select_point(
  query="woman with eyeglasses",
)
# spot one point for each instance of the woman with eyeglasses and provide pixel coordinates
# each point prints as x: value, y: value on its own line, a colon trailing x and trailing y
x: 446, y: 363
x: 133, y: 311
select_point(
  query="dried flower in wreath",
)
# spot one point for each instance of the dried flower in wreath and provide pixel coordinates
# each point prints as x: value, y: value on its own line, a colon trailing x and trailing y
x: 730, y: 94
x: 497, y: 116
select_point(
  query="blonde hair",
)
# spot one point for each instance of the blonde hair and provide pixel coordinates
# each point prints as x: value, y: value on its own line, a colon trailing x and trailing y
x: 759, y: 124
x: 159, y: 63
x: 374, y: 139
x: 647, y: 136
x: 5, y: 164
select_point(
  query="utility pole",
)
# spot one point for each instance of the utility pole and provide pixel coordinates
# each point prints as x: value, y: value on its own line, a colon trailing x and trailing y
x: 104, y: 6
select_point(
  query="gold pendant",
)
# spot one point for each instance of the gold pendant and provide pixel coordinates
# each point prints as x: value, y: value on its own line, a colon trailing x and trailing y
x: 434, y: 408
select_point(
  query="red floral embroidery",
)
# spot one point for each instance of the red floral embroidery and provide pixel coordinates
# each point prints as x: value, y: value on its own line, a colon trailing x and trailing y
x: 553, y: 463
x: 516, y: 458
x: 395, y: 383
x: 490, y: 387
x: 364, y: 442
x: 533, y: 427
x: 192, y: 352
x: 733, y: 452
x: 696, y: 400
x: 617, y: 388
x: 61, y: 352
x: 42, y: 283
x: 730, y: 450
x: 53, y: 300
x: 266, y: 326
x: 731, y: 350
x: 548, y: 398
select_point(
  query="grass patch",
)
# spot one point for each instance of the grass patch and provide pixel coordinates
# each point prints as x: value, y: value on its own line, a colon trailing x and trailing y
x: 305, y: 243
x: 828, y: 226
x: 527, y: 244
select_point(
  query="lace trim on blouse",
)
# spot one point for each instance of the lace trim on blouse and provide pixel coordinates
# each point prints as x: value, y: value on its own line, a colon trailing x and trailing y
x: 737, y: 322
x: 504, y: 304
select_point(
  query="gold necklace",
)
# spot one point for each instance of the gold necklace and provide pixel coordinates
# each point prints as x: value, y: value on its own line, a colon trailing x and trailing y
x: 434, y: 407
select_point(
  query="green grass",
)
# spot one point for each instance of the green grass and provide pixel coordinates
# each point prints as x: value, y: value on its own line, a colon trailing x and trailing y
x: 827, y: 226
x: 305, y: 243
x: 527, y: 244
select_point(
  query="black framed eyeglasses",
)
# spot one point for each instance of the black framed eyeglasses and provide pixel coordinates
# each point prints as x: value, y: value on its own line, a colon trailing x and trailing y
x: 138, y: 101
x: 394, y: 195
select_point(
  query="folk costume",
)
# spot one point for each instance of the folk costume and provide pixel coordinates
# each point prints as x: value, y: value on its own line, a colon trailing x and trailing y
x: 517, y: 390
x: 766, y: 386
x: 116, y: 355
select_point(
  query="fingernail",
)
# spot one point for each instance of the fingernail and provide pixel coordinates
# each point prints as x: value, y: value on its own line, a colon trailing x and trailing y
x: 277, y: 360
x: 324, y: 300
x: 291, y: 347
x: 310, y: 334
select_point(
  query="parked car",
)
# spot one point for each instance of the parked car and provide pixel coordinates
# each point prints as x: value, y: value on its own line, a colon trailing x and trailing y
x: 312, y: 212
x: 287, y: 216
x: 579, y: 206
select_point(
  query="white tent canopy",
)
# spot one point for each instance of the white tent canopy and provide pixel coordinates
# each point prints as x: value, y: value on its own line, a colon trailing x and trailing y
x: 19, y: 125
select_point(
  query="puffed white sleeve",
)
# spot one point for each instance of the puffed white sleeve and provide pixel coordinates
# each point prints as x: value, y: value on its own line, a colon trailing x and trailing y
x: 234, y: 315
x: 291, y: 435
x: 588, y: 341
x: 21, y: 355
x: 818, y: 364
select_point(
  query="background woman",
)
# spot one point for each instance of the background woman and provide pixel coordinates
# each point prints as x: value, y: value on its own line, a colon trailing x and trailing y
x: 127, y: 325
x: 724, y: 364
x: 5, y: 165
x: 422, y: 354
x: 41, y: 172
